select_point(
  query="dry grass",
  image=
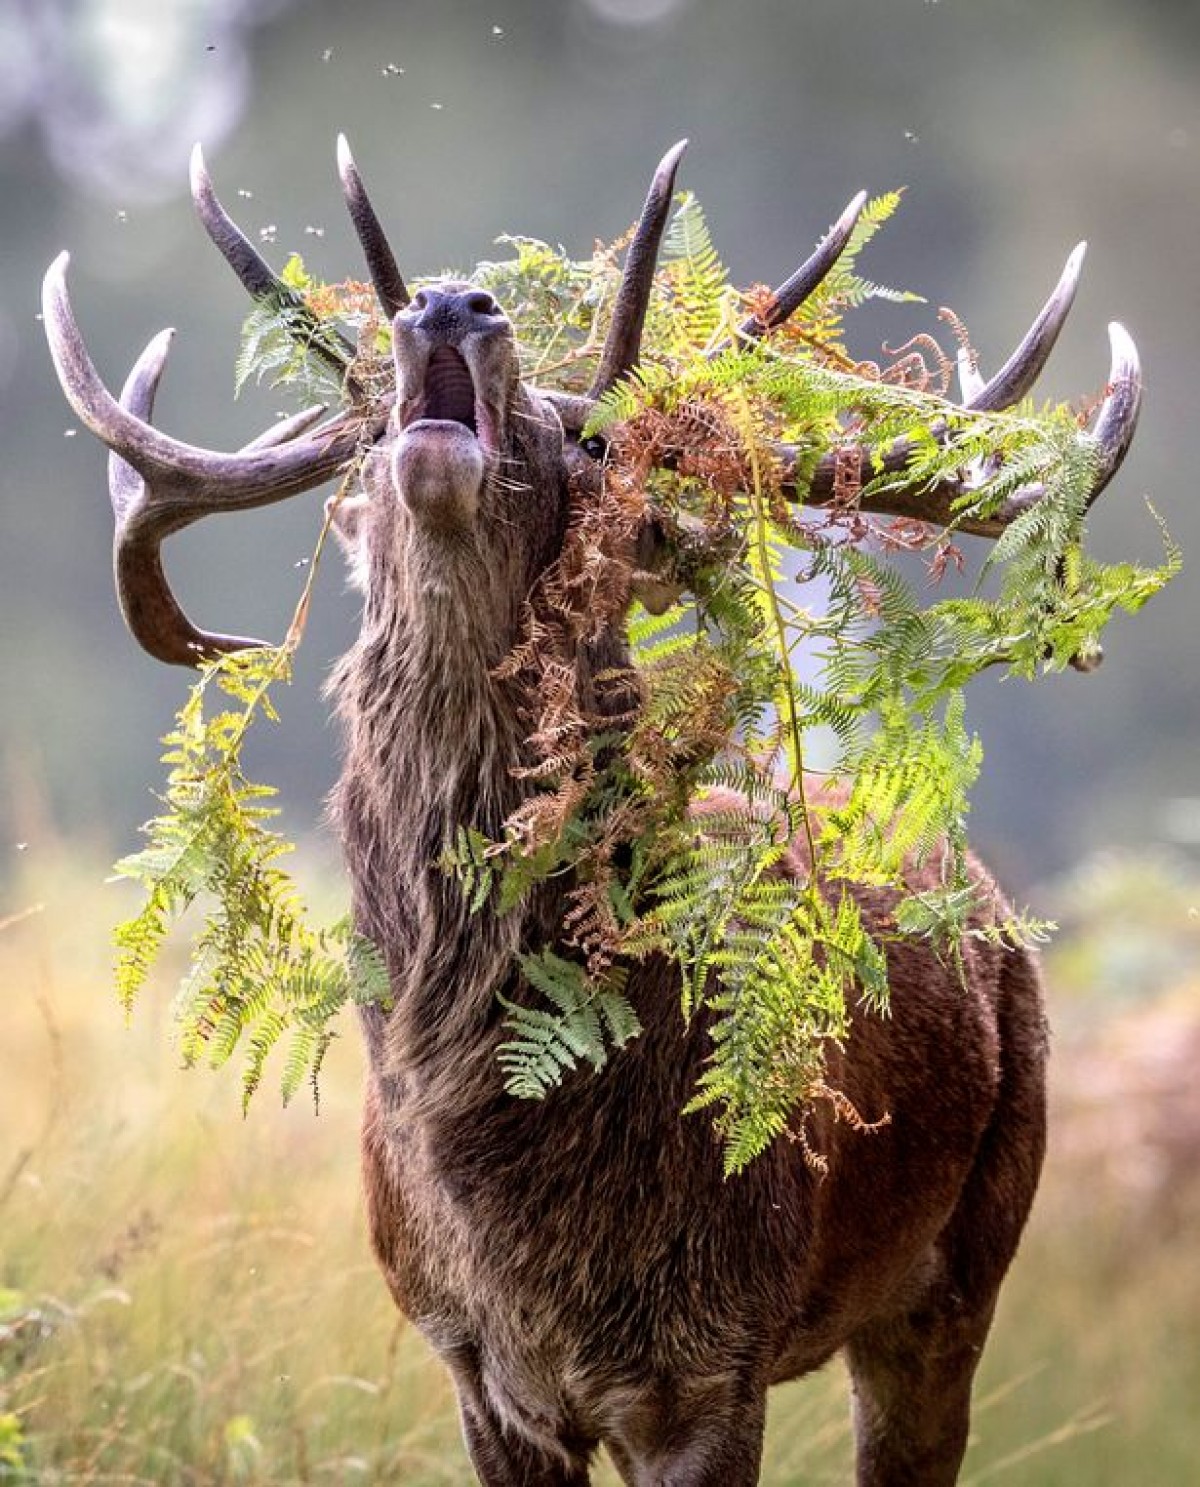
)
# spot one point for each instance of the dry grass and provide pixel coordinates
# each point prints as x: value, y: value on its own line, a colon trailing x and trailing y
x: 187, y: 1297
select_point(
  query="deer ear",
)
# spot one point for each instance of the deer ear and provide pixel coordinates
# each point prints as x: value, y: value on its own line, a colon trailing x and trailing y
x: 654, y: 582
x: 347, y: 520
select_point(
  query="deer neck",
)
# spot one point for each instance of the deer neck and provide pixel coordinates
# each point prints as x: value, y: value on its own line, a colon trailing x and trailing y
x: 434, y: 744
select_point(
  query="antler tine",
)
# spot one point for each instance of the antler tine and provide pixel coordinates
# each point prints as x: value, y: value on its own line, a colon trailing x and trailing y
x: 623, y: 344
x: 793, y: 292
x: 1112, y: 433
x: 126, y: 488
x: 390, y: 288
x: 159, y: 485
x: 1024, y: 366
x: 1116, y: 422
x: 192, y: 478
x: 150, y: 609
x: 286, y: 429
x: 259, y: 278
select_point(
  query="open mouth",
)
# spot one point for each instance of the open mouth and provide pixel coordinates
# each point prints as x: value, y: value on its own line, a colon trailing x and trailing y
x: 449, y: 388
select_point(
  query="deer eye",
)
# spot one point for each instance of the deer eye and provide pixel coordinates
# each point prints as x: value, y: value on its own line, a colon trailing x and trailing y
x: 596, y: 446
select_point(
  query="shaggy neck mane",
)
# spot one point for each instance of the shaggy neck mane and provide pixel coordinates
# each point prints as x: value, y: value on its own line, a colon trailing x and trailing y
x: 433, y: 742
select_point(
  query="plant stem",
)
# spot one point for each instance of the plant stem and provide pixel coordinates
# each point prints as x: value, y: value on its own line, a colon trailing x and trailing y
x: 792, y: 713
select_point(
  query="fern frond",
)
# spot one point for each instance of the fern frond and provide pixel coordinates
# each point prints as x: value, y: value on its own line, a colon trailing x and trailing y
x: 588, y: 1021
x: 257, y: 967
x: 701, y: 299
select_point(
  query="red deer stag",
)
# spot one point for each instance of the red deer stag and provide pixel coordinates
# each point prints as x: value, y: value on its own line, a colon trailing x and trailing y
x: 580, y: 1265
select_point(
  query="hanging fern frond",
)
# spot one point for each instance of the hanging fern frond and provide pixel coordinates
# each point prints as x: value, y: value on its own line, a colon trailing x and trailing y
x: 589, y: 1020
x: 258, y: 969
x: 770, y: 953
x: 701, y: 300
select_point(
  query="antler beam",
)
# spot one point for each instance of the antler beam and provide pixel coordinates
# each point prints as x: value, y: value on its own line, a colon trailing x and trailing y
x: 1112, y: 435
x: 159, y: 485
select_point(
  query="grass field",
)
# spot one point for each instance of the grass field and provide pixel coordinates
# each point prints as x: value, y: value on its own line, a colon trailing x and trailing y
x: 188, y: 1298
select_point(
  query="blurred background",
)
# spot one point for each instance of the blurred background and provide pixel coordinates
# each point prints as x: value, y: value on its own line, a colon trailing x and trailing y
x: 1017, y: 129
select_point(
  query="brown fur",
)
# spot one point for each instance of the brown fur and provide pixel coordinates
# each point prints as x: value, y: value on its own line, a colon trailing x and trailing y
x: 581, y: 1265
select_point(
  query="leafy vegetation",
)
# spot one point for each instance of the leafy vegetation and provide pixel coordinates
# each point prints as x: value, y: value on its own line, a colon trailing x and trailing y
x: 259, y: 974
x: 694, y: 436
x: 688, y: 821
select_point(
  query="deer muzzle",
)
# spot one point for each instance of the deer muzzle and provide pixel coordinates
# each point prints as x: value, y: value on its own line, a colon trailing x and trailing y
x: 438, y: 470
x: 455, y: 371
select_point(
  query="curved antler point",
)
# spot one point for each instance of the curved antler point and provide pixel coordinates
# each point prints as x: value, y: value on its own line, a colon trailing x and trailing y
x: 1073, y: 266
x: 390, y: 288
x: 1122, y: 343
x: 845, y: 224
x: 1024, y: 366
x: 669, y: 163
x: 623, y: 343
x: 204, y: 196
x: 54, y: 284
x: 1117, y: 419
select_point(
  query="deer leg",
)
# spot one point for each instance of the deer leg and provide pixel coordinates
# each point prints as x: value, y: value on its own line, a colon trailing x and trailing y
x: 692, y: 1434
x: 911, y: 1380
x: 912, y: 1374
x: 502, y: 1459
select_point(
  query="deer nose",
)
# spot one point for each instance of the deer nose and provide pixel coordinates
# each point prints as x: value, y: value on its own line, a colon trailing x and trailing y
x: 447, y: 316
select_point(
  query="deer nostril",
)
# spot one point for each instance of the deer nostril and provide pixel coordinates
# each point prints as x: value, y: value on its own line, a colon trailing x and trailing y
x: 420, y: 300
x: 482, y: 303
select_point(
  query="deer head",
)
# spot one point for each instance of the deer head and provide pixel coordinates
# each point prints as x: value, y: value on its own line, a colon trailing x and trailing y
x: 467, y: 469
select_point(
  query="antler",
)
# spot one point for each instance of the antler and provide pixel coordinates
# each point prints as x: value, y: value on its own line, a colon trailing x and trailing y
x: 160, y: 485
x: 797, y: 288
x: 622, y: 345
x: 390, y: 288
x: 260, y: 280
x: 624, y: 340
x: 1024, y: 366
x: 1112, y: 432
